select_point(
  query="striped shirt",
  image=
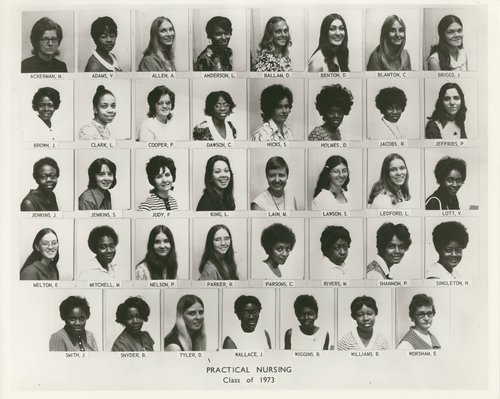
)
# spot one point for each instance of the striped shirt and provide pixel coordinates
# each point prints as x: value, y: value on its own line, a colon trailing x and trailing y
x: 352, y: 342
x: 155, y: 203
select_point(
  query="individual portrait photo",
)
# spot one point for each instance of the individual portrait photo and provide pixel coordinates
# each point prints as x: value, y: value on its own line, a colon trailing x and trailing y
x: 46, y: 182
x: 277, y: 179
x: 161, y: 181
x: 42, y: 46
x: 278, y: 249
x: 190, y: 320
x: 46, y: 249
x: 306, y: 319
x: 249, y: 319
x: 336, y: 248
x: 447, y: 115
x: 451, y: 179
x: 276, y: 110
x: 422, y: 319
x: 219, y: 180
x: 450, y: 39
x: 335, y: 180
x: 335, y: 43
x: 103, y: 249
x: 103, y: 109
x: 103, y: 179
x: 335, y: 111
x: 219, y: 39
x: 132, y: 320
x: 51, y: 111
x: 392, y: 187
x: 75, y: 320
x: 451, y: 248
x: 161, y: 40
x: 392, y: 39
x: 393, y: 109
x: 219, y: 110
x: 394, y: 249
x: 161, y: 110
x: 364, y: 319
x: 277, y: 40
x: 104, y: 40
x: 219, y: 249
x: 161, y: 249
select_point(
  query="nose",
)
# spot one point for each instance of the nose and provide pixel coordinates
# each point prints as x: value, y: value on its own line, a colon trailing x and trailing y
x: 342, y: 251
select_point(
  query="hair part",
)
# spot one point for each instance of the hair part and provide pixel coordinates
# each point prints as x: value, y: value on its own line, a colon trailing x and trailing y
x: 324, y: 181
x: 384, y: 182
x: 387, y: 231
x: 160, y: 267
x: 329, y: 52
x: 96, y: 167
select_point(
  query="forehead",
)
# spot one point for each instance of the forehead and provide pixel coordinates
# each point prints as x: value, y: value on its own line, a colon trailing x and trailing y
x: 104, y: 168
x: 50, y: 33
x: 221, y: 233
x: 280, y: 25
x: 194, y: 307
x: 364, y: 309
x: 283, y: 101
x: 336, y: 22
x: 396, y: 163
x: 49, y: 236
x: 166, y: 25
x: 339, y: 166
x: 106, y: 98
x: 46, y: 169
x: 164, y: 97
x: 278, y: 170
x: 396, y: 25
x: 133, y: 310
x: 395, y: 241
x: 340, y: 241
x: 162, y: 170
x: 423, y: 309
x: 282, y: 244
x: 451, y: 92
x: 220, y: 165
x: 306, y: 309
x: 105, y: 240
x: 250, y: 306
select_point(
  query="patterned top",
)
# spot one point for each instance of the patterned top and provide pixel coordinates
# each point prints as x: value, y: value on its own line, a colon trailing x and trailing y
x: 352, y: 342
x: 156, y: 203
x: 319, y: 133
x: 413, y: 338
x: 64, y: 342
x: 267, y: 62
x: 210, y: 60
x: 269, y: 131
x: 94, y: 131
x: 206, y: 131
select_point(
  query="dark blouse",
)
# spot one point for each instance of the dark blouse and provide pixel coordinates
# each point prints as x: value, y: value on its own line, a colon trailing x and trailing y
x: 37, y: 200
x: 36, y: 64
x: 38, y: 271
x: 210, y: 60
x: 209, y: 202
x: 173, y: 338
x: 441, y: 199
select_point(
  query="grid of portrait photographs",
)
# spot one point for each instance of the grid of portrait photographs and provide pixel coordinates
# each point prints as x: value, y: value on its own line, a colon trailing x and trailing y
x: 252, y: 179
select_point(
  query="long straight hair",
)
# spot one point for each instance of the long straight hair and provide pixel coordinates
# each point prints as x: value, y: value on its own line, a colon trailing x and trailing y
x: 190, y: 342
x: 210, y: 256
x: 159, y: 267
x: 154, y: 47
x: 342, y: 52
x: 384, y: 182
x: 227, y: 199
x: 324, y: 177
x: 442, y: 48
x: 35, y: 254
x: 440, y: 114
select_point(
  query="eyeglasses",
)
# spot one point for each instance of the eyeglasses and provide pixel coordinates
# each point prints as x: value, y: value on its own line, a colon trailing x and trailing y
x: 49, y: 244
x: 45, y: 177
x: 421, y: 315
x: 47, y: 40
x: 164, y: 103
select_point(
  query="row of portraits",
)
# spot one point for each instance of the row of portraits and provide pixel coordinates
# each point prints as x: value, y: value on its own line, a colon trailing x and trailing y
x: 249, y: 109
x: 249, y: 319
x: 258, y: 249
x: 261, y: 179
x: 261, y: 40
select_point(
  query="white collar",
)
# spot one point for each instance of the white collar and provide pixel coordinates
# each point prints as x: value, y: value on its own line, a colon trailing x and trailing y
x: 393, y: 127
x: 215, y: 134
x: 113, y: 67
x: 383, y: 265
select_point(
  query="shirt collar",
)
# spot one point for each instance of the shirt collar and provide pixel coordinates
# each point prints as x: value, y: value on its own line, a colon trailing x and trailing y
x: 383, y: 265
x: 276, y: 129
x: 75, y: 338
x: 100, y: 196
x: 97, y: 266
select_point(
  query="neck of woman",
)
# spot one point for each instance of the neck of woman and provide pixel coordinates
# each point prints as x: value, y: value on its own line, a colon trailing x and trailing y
x: 421, y: 330
x: 335, y: 190
x: 447, y: 268
x: 104, y: 54
x: 47, y: 122
x: 218, y: 191
x: 162, y: 193
x: 308, y: 330
x: 104, y: 264
x: 45, y: 261
x: 99, y: 122
x: 365, y: 334
x: 279, y: 124
x: 329, y: 129
x: 273, y: 266
x: 453, y: 51
x: 44, y: 57
x: 277, y: 51
x: 162, y: 119
x: 275, y: 193
x: 220, y: 125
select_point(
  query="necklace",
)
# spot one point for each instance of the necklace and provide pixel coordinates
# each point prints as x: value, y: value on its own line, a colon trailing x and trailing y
x: 276, y: 204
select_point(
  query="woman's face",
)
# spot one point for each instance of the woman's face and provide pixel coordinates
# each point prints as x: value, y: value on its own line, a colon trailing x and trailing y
x: 397, y: 172
x: 365, y: 318
x: 281, y: 112
x: 307, y: 316
x: 48, y: 246
x: 338, y: 252
x: 452, y: 102
x: 106, y: 41
x: 166, y: 34
x: 336, y: 33
x: 106, y: 250
x: 49, y: 44
x: 104, y: 179
x: 453, y: 182
x: 221, y: 175
x: 163, y: 107
x: 450, y: 255
x: 45, y: 109
x: 47, y: 178
x: 277, y: 178
x: 281, y: 35
x: 220, y: 38
x: 394, y: 251
x: 75, y: 321
x: 280, y: 252
x: 393, y: 113
x: 164, y: 180
x: 423, y: 318
x: 221, y: 109
x: 133, y: 321
x: 193, y: 317
x: 221, y: 242
x: 338, y: 175
x: 106, y: 109
x: 161, y: 245
x: 249, y: 317
x: 334, y: 117
x: 454, y: 35
x: 396, y: 34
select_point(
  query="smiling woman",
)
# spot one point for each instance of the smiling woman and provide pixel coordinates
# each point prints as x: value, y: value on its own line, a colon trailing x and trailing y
x: 159, y: 55
x: 217, y: 56
x: 218, y: 106
x: 272, y: 55
x: 450, y: 174
x: 104, y: 105
x: 219, y: 183
x: 104, y: 33
x: 331, y: 188
x: 102, y: 178
x: 161, y: 173
x: 278, y: 241
x: 102, y: 241
x: 448, y: 54
x: 41, y: 264
x: 46, y: 174
x: 217, y: 262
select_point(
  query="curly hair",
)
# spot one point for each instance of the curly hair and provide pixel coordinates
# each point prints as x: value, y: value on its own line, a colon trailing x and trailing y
x: 132, y: 302
x: 358, y: 303
x: 212, y: 99
x: 334, y: 96
x: 331, y: 234
x: 99, y: 232
x: 243, y: 300
x: 445, y: 165
x: 155, y: 166
x: 270, y: 98
x: 324, y: 176
x: 42, y: 162
x: 275, y: 233
x: 49, y: 92
x: 387, y: 231
x: 418, y: 301
x: 446, y: 232
x: 73, y: 302
x: 155, y: 95
x: 390, y: 96
x: 267, y: 42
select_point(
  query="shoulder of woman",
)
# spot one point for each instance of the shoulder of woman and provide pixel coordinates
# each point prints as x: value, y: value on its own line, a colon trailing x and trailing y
x: 30, y: 272
x: 316, y: 62
x: 432, y: 130
x: 27, y: 205
x: 173, y: 348
x: 86, y: 201
x: 433, y: 203
x: 93, y: 65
